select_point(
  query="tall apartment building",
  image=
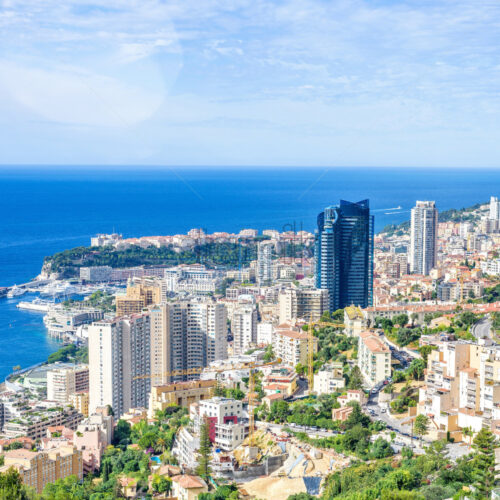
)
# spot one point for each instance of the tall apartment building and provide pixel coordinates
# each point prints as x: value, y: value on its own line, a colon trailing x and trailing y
x: 344, y: 254
x: 37, y: 469
x: 374, y: 358
x: 63, y: 382
x: 186, y: 336
x: 139, y: 296
x: 423, y: 240
x: 264, y: 262
x: 494, y: 208
x: 244, y: 328
x: 292, y: 347
x: 119, y: 363
x: 302, y: 303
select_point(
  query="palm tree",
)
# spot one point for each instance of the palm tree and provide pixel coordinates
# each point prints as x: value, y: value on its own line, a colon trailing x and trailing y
x: 161, y: 444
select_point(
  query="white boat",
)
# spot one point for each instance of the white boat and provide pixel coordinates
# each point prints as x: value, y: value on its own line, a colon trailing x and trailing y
x: 36, y: 305
x: 15, y: 291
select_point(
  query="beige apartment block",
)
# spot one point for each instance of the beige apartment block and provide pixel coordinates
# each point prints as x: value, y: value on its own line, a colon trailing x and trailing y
x: 180, y: 394
x: 62, y: 382
x: 292, y: 347
x: 138, y: 297
x: 40, y: 468
x: 80, y: 402
x: 186, y: 336
x: 374, y: 358
x: 303, y: 303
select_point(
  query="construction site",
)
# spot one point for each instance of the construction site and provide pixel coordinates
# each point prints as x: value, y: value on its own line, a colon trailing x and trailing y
x: 277, y: 466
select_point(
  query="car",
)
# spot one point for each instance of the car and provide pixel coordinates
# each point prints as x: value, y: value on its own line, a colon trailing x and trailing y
x: 383, y: 410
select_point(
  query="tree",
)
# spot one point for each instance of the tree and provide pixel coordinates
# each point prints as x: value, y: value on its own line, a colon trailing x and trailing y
x: 421, y: 426
x: 416, y: 369
x: 400, y: 319
x: 484, y: 463
x: 355, y: 378
x: 162, y: 484
x: 12, y: 487
x: 205, y: 451
x: 269, y: 354
x: 424, y: 351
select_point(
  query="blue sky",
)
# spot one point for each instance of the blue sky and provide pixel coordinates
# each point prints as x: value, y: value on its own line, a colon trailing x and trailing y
x: 250, y: 82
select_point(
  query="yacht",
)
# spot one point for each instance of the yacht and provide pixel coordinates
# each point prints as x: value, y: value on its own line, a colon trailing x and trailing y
x: 15, y: 291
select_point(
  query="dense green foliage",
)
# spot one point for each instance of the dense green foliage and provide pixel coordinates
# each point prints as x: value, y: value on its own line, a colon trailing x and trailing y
x: 431, y: 477
x: 211, y: 254
x: 492, y: 294
x: 12, y: 488
x: 227, y: 491
x: 70, y: 353
x: 310, y: 412
x: 98, y: 300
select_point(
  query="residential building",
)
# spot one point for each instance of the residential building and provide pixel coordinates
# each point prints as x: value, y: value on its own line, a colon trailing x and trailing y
x: 494, y: 213
x: 344, y: 254
x: 186, y: 487
x: 354, y: 321
x: 244, y: 327
x: 227, y: 429
x: 139, y: 296
x: 186, y: 336
x: 374, y: 358
x: 329, y: 379
x: 80, y: 402
x: 35, y: 421
x: 120, y: 363
x: 264, y: 262
x: 292, y: 347
x: 95, y: 274
x: 37, y: 469
x: 423, y: 238
x: 179, y: 394
x: 62, y: 382
x: 302, y: 303
x: 93, y: 435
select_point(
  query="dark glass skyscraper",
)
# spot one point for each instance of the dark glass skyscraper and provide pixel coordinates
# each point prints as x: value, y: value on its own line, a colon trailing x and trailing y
x: 344, y: 254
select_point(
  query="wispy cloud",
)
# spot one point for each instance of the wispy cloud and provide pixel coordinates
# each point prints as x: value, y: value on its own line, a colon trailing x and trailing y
x: 239, y: 81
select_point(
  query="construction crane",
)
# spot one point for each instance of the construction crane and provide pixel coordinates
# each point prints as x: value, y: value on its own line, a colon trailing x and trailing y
x: 310, y: 348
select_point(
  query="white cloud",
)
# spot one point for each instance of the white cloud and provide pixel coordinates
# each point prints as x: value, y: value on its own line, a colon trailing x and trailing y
x: 63, y: 96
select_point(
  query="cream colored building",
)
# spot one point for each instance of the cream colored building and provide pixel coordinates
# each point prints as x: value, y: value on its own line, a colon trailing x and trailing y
x: 40, y: 468
x: 180, y: 394
x: 119, y: 363
x: 62, y: 382
x: 186, y: 487
x: 186, y: 336
x: 354, y: 321
x: 329, y: 379
x: 244, y: 328
x: 303, y: 303
x: 138, y: 297
x: 80, y: 402
x: 374, y: 358
x: 292, y: 347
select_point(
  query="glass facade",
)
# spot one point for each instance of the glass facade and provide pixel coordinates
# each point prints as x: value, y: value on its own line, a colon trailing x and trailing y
x: 344, y: 254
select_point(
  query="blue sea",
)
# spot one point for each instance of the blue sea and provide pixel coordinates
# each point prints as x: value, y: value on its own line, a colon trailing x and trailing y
x: 45, y: 210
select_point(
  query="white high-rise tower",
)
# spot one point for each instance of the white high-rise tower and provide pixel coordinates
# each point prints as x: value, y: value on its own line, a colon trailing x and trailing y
x: 423, y: 246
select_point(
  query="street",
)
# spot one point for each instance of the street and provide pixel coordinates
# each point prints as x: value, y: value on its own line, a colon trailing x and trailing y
x: 482, y: 329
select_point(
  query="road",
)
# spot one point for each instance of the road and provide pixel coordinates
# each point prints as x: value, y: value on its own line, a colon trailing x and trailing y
x: 482, y: 329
